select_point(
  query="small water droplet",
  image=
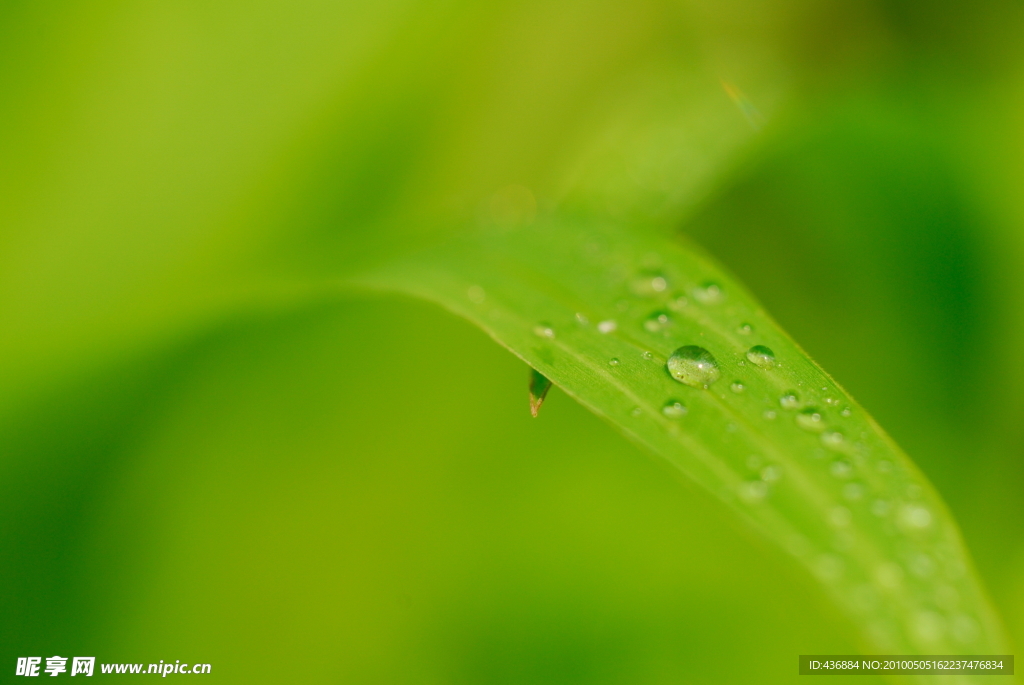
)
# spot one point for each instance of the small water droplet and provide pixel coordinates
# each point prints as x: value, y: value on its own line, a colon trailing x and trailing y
x: 759, y: 355
x: 636, y: 411
x: 846, y: 412
x: 831, y: 400
x: 884, y: 466
x: 914, y: 517
x: 841, y: 468
x: 679, y: 303
x: 657, y: 322
x: 709, y: 293
x: 839, y: 516
x: 745, y: 329
x: 810, y: 420
x: 647, y: 355
x: 544, y: 330
x: 476, y: 294
x: 769, y: 414
x: 737, y: 387
x: 649, y: 284
x: 753, y: 491
x: 607, y: 326
x: 771, y: 473
x: 789, y: 401
x: 832, y: 439
x: 614, y: 361
x: 853, y: 491
x: 674, y: 409
x: 582, y: 319
x: 694, y: 366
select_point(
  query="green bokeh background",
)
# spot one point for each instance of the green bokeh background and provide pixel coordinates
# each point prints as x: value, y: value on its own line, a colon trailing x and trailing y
x: 212, y: 450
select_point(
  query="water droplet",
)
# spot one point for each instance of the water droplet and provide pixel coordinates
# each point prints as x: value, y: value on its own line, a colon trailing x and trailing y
x: 745, y: 329
x: 657, y: 322
x: 831, y: 400
x: 753, y: 491
x: 839, y: 517
x: 853, y: 491
x: 636, y: 411
x: 693, y: 366
x: 769, y: 414
x: 647, y: 355
x: 832, y: 439
x: 709, y: 293
x: 846, y: 412
x: 737, y: 387
x: 810, y: 420
x: 674, y: 409
x: 914, y: 517
x: 828, y: 567
x: 880, y: 508
x: 889, y: 575
x: 614, y: 361
x: 771, y: 473
x: 582, y: 318
x: 759, y: 355
x: 679, y: 303
x: 964, y: 628
x: 789, y: 401
x: 606, y: 326
x: 649, y: 284
x: 544, y: 330
x: 476, y: 294
x: 841, y: 468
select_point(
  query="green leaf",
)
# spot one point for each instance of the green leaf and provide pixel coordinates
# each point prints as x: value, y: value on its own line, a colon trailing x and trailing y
x: 600, y: 311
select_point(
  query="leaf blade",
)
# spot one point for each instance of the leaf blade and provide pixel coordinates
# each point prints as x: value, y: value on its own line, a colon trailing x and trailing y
x: 599, y: 310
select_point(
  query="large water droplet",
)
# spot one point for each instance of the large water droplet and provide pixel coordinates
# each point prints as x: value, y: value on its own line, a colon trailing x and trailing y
x: 693, y: 365
x: 674, y: 409
x: 810, y: 420
x: 658, y: 322
x: 789, y: 401
x: 607, y: 326
x: 709, y: 293
x: 762, y: 356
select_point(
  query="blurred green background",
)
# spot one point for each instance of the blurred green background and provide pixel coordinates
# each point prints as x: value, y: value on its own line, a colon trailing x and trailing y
x: 211, y: 450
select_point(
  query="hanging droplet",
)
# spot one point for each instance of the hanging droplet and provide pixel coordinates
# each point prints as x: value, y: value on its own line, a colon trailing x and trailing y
x: 737, y: 387
x: 694, y: 366
x: 674, y: 409
x: 606, y: 326
x: 759, y: 355
x: 810, y: 420
x: 789, y: 401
